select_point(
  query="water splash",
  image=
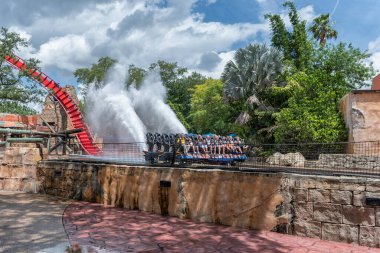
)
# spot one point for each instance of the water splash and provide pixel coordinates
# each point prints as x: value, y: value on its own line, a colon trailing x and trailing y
x: 149, y: 103
x: 120, y: 114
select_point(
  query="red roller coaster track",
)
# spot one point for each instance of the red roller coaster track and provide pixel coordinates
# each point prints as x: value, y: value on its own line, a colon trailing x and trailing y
x: 85, y: 137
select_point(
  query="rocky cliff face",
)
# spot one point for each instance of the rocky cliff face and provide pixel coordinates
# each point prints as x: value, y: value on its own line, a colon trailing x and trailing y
x: 361, y: 112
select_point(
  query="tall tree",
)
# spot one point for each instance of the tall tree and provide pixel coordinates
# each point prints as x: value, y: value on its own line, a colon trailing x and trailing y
x: 17, y: 92
x: 322, y: 30
x: 293, y: 43
x: 254, y: 70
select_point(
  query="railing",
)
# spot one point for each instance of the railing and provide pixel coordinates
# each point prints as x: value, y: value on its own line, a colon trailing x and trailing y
x: 308, y: 158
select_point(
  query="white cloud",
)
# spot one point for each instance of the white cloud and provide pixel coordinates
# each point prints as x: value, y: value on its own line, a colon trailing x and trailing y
x: 68, y: 52
x: 135, y: 32
x: 217, y: 70
x: 374, y: 50
x: 307, y: 13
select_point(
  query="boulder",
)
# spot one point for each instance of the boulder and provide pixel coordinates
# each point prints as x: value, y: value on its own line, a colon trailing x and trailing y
x: 275, y: 159
x: 289, y: 159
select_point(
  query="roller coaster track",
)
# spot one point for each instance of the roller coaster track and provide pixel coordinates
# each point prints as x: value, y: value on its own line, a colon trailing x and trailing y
x: 72, y: 110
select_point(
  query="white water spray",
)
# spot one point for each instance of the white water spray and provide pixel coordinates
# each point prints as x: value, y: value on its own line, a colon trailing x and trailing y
x: 149, y: 104
x: 120, y: 114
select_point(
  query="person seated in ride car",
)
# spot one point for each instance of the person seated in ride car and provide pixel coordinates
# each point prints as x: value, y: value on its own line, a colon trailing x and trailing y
x: 212, y: 146
x: 217, y: 144
x: 239, y: 145
x: 182, y: 143
x: 209, y: 144
x: 205, y: 148
x: 199, y: 145
x: 230, y: 147
x: 189, y: 144
x: 224, y: 145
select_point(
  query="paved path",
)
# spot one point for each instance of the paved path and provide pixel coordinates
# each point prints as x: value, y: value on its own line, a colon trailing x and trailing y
x: 116, y: 230
x: 31, y: 223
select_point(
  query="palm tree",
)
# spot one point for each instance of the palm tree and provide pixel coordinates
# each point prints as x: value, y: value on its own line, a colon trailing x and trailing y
x: 254, y: 69
x: 322, y: 29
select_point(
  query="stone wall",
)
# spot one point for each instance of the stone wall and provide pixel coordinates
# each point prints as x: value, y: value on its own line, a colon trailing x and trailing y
x: 349, y: 161
x: 18, y: 169
x: 331, y: 208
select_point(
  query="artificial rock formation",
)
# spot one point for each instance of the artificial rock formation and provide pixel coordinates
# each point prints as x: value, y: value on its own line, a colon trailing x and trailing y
x: 289, y: 159
x: 54, y: 114
x: 361, y: 111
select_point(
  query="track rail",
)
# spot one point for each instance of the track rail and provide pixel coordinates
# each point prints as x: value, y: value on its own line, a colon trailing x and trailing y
x: 72, y: 110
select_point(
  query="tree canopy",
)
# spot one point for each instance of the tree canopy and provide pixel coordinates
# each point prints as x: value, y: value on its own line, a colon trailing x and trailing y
x: 17, y: 92
x: 209, y: 112
x: 320, y: 75
x: 94, y: 75
x: 322, y: 30
x: 294, y: 42
x: 254, y: 70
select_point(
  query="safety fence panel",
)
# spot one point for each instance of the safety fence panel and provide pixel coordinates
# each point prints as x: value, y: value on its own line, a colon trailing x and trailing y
x: 308, y: 158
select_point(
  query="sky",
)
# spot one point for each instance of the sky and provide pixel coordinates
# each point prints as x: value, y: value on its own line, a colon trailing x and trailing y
x: 201, y: 35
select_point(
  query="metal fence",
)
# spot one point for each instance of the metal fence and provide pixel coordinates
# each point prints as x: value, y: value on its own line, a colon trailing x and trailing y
x: 309, y: 158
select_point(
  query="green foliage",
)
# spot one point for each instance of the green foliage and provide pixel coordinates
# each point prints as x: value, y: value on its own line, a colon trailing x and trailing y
x: 293, y: 43
x: 344, y: 67
x: 16, y: 108
x: 135, y: 75
x: 318, y: 76
x: 312, y: 113
x: 95, y: 75
x: 254, y: 69
x: 17, y: 92
x: 209, y: 112
x: 248, y: 81
x: 322, y: 30
x: 169, y: 72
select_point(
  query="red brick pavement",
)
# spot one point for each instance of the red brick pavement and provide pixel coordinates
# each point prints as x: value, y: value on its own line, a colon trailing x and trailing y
x: 108, y: 229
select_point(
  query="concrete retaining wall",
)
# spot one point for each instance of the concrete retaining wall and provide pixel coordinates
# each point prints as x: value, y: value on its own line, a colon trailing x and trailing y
x: 330, y: 208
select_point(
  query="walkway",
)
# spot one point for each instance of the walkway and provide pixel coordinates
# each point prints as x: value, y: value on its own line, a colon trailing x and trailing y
x: 31, y: 223
x: 116, y: 230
